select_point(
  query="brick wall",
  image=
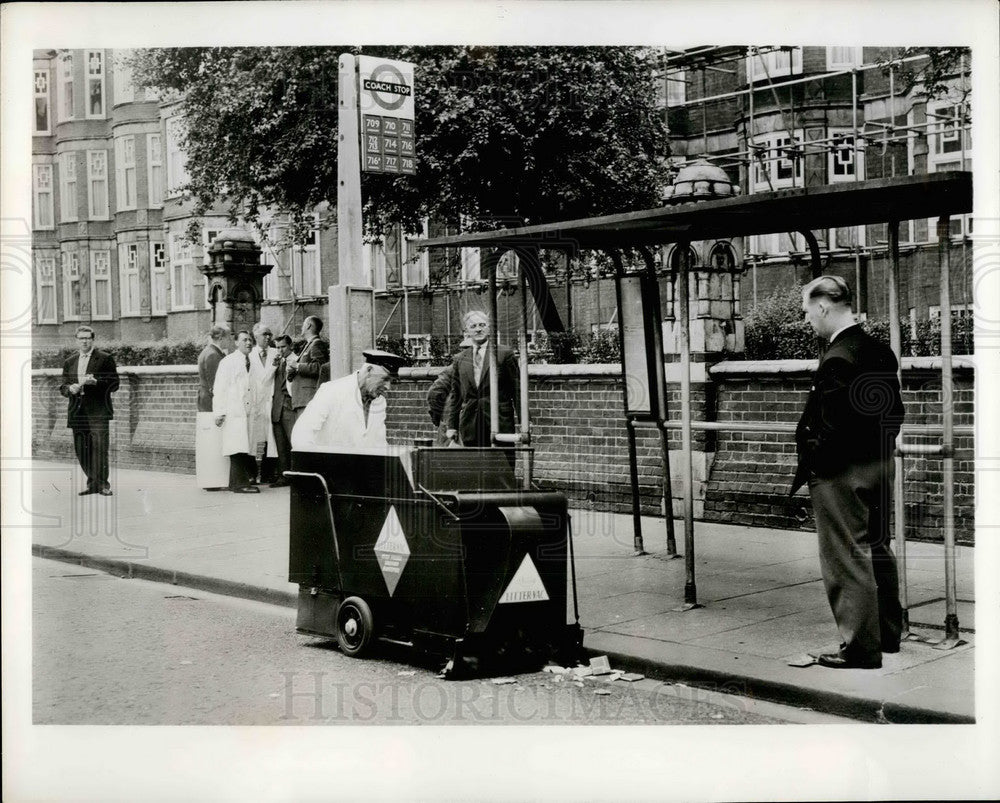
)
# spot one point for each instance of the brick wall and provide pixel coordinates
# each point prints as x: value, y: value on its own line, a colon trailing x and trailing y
x: 581, y: 440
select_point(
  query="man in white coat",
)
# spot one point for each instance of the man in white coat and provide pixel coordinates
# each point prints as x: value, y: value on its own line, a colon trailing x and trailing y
x: 233, y: 404
x: 263, y: 362
x: 348, y: 414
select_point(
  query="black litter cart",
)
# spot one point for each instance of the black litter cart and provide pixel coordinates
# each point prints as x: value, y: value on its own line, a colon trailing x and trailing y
x: 434, y: 548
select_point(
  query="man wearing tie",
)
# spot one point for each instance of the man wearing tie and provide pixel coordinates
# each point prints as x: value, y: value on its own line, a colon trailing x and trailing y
x: 304, y: 373
x: 88, y: 380
x: 262, y: 368
x: 233, y: 404
x: 468, y: 408
x: 282, y: 415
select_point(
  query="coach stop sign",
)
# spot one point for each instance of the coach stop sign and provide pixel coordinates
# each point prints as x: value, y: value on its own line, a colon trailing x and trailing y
x: 385, y: 103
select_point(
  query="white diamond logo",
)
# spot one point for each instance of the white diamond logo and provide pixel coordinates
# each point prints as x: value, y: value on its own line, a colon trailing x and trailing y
x: 392, y: 550
x: 526, y: 585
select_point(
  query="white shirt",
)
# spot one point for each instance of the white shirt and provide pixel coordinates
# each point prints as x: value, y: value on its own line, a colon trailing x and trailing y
x: 81, y: 366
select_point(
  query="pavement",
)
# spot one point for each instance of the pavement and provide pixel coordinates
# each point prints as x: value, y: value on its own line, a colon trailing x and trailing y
x: 761, y: 594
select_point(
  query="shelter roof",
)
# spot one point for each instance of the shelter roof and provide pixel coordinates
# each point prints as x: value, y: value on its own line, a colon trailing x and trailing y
x: 796, y: 209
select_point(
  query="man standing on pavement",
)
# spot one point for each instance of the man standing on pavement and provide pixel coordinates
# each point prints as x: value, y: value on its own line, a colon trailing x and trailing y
x: 220, y: 343
x: 845, y: 441
x: 348, y: 414
x: 233, y: 404
x: 262, y: 367
x: 304, y: 372
x: 468, y: 407
x: 88, y: 380
x: 282, y: 416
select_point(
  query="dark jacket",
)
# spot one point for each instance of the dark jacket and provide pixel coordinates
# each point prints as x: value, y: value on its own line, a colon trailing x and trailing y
x: 854, y: 410
x: 437, y: 396
x: 208, y: 364
x: 468, y: 406
x: 93, y: 404
x: 306, y: 378
x: 281, y: 399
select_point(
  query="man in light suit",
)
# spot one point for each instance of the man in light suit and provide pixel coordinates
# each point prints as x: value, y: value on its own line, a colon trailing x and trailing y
x: 845, y: 441
x: 263, y: 357
x: 88, y: 380
x: 304, y: 371
x: 233, y: 404
x: 468, y: 406
x: 348, y: 414
x: 221, y: 342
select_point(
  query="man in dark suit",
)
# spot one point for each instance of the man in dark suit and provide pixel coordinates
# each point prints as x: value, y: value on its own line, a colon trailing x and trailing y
x: 304, y: 371
x: 282, y: 415
x: 221, y: 343
x: 468, y: 406
x: 845, y: 443
x: 88, y: 380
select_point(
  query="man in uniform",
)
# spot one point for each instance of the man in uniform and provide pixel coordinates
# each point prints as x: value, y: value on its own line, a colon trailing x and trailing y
x: 88, y: 380
x: 348, y: 414
x: 845, y: 443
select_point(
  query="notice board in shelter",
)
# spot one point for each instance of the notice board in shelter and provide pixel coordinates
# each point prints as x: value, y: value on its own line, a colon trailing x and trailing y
x: 639, y: 387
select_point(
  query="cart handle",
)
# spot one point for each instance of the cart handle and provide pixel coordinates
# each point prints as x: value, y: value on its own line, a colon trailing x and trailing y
x: 329, y: 513
x: 440, y: 504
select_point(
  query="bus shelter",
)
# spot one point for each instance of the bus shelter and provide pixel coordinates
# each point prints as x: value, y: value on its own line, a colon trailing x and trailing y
x: 804, y: 210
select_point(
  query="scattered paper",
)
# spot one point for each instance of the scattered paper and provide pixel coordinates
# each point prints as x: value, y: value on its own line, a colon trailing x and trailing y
x: 581, y: 671
x: 600, y: 665
x: 632, y: 677
x: 406, y: 673
x: 503, y: 681
x: 555, y: 669
x: 802, y: 660
x: 602, y: 691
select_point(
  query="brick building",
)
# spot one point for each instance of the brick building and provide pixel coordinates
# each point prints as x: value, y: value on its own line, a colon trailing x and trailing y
x: 111, y: 228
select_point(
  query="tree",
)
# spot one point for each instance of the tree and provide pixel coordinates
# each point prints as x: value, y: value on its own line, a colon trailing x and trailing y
x: 933, y: 76
x: 504, y: 135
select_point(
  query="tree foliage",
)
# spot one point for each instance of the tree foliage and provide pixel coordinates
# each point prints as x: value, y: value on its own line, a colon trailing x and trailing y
x: 504, y: 135
x: 934, y: 76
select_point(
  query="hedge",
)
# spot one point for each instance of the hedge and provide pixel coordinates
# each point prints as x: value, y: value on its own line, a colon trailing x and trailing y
x: 150, y: 353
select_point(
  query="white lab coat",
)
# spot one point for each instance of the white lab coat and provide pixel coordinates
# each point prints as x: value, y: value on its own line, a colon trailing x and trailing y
x: 334, y: 420
x: 232, y: 396
x: 262, y: 386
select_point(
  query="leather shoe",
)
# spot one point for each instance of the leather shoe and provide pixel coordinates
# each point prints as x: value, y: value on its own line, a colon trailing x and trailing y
x: 87, y: 491
x: 890, y: 648
x: 843, y: 660
x: 105, y: 492
x: 247, y: 489
x: 279, y: 484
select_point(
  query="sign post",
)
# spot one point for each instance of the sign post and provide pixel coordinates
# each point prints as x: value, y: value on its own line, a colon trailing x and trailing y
x: 376, y: 135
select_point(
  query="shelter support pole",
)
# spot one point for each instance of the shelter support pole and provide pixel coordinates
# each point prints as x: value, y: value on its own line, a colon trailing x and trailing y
x: 684, y: 340
x: 951, y: 632
x: 653, y: 288
x: 814, y: 258
x: 896, y: 342
x: 489, y: 259
x: 638, y: 546
x: 528, y: 256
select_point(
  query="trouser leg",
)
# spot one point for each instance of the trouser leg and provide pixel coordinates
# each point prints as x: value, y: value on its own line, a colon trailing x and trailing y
x: 890, y: 610
x: 83, y: 446
x: 283, y: 440
x: 100, y: 443
x: 845, y: 556
x: 242, y: 468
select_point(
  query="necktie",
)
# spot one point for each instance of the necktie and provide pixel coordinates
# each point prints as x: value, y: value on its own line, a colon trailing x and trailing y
x: 262, y: 355
x: 248, y: 363
x: 477, y: 363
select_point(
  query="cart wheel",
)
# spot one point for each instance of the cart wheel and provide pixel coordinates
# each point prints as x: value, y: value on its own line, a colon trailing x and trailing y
x: 355, y: 626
